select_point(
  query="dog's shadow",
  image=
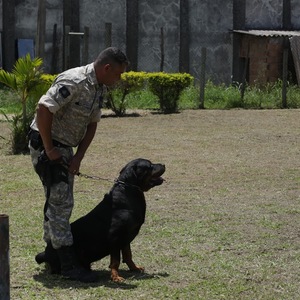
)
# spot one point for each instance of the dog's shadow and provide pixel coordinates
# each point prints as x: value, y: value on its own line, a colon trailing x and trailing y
x: 53, y: 281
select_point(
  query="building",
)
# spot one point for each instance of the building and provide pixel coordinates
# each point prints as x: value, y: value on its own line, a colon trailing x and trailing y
x: 156, y: 35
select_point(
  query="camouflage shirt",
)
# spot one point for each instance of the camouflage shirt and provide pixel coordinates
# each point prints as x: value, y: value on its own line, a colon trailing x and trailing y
x: 75, y: 99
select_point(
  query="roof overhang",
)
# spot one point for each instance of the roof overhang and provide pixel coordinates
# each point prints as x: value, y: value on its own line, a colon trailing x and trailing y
x: 269, y: 33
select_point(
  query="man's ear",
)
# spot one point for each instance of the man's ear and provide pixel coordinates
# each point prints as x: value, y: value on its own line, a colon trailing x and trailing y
x: 107, y: 67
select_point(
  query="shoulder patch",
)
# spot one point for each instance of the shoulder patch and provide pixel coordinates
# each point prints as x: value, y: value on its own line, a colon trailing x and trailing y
x: 64, y: 92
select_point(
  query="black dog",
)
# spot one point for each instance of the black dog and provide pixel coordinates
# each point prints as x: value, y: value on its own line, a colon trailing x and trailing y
x: 113, y: 224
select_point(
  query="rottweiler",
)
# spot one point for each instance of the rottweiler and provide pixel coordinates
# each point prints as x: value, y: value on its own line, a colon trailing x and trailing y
x: 113, y: 224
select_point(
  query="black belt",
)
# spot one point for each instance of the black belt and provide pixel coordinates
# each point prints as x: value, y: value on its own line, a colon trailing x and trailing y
x: 36, y: 141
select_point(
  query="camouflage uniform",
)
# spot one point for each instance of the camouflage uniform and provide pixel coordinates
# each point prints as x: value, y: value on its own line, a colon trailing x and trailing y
x: 75, y: 99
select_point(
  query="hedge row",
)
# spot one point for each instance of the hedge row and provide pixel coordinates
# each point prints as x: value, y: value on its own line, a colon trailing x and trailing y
x: 166, y: 86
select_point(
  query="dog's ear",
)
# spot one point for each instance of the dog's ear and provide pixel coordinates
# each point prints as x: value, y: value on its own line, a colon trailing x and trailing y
x: 136, y: 170
x: 122, y: 170
x: 128, y: 172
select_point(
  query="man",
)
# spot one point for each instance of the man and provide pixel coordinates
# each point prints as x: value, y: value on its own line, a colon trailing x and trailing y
x: 67, y: 117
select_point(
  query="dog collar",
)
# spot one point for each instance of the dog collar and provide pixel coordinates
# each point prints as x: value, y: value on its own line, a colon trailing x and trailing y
x: 117, y: 181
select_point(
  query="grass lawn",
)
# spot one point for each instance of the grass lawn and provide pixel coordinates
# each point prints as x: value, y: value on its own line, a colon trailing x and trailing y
x: 224, y: 225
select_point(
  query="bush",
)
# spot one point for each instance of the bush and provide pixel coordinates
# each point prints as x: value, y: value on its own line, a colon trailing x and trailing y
x: 221, y: 96
x: 28, y: 83
x: 130, y: 82
x: 168, y: 88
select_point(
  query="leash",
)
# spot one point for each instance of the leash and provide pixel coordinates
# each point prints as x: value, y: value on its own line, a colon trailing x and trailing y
x: 117, y: 181
x: 93, y: 177
x: 65, y: 164
x: 79, y: 174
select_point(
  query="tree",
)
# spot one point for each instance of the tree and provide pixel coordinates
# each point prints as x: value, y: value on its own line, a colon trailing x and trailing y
x: 28, y: 82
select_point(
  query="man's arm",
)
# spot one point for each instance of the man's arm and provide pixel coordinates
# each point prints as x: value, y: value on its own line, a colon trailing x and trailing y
x: 82, y: 147
x: 44, y: 124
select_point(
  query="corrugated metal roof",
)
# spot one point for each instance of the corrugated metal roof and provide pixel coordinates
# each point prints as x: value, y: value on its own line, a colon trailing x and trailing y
x: 269, y: 33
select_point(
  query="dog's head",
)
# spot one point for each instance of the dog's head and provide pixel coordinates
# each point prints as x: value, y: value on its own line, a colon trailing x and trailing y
x: 142, y: 173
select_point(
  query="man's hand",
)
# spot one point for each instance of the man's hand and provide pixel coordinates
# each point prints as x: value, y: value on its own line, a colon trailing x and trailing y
x: 53, y: 154
x: 74, y: 165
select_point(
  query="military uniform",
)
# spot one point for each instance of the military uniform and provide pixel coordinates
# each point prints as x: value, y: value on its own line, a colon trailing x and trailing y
x: 75, y: 99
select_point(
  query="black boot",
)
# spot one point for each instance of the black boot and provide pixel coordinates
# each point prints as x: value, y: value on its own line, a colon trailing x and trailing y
x: 50, y: 258
x: 70, y: 267
x: 40, y: 258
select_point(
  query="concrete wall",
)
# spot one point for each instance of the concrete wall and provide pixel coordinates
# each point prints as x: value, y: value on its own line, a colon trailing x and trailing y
x: 295, y: 13
x: 262, y: 14
x: 153, y: 16
x: 94, y: 14
x: 210, y: 23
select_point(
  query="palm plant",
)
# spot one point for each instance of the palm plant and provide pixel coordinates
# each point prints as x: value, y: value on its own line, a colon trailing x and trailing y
x: 26, y: 80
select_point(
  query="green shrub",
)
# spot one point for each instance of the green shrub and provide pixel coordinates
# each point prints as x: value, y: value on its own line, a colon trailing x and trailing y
x: 142, y: 99
x: 293, y: 96
x: 130, y: 82
x: 222, y: 96
x: 189, y: 98
x: 168, y: 88
x: 27, y: 82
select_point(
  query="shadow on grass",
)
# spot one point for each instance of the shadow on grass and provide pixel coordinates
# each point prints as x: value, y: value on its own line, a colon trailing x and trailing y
x: 113, y: 115
x: 53, y: 281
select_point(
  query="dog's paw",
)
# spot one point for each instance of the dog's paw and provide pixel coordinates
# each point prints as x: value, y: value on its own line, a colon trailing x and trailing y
x: 133, y: 267
x: 117, y: 279
x: 138, y: 269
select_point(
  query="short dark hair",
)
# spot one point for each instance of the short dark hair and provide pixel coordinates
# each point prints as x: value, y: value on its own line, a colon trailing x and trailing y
x: 112, y: 55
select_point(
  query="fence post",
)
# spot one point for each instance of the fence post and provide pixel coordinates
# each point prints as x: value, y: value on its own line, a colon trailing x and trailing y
x: 285, y: 73
x: 245, y: 71
x: 67, y: 47
x: 4, y: 258
x: 54, y: 50
x: 202, y: 77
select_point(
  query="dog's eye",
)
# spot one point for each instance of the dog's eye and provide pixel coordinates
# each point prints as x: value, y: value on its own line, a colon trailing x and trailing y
x: 151, y: 167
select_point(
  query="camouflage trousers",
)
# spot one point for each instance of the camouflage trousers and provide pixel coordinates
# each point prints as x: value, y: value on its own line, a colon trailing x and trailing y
x: 58, y: 187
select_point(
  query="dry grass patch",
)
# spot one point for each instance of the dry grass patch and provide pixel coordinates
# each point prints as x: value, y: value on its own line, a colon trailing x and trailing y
x: 225, y: 225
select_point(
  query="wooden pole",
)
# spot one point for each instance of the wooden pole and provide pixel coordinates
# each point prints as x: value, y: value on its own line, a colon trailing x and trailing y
x: 71, y: 9
x: 244, y: 79
x: 67, y: 48
x: 285, y: 73
x: 54, y: 50
x: 4, y: 258
x: 202, y: 77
